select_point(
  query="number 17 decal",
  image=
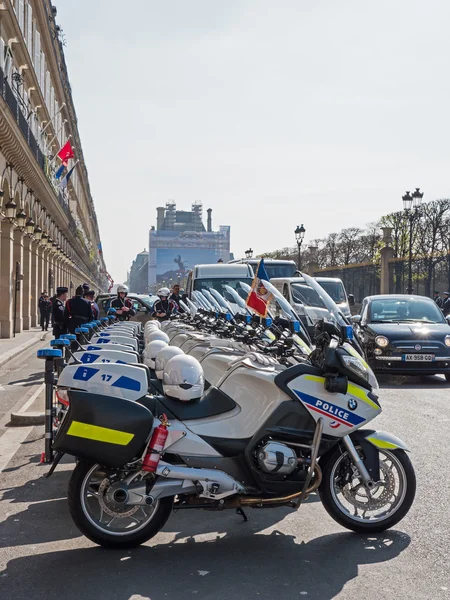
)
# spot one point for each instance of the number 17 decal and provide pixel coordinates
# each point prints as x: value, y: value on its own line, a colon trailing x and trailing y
x: 106, y: 377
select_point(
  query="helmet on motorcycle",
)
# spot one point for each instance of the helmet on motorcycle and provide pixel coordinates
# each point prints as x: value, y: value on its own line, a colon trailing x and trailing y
x: 163, y: 292
x: 122, y: 288
x: 183, y: 378
x: 153, y: 324
x: 152, y: 351
x: 163, y: 358
x: 158, y: 335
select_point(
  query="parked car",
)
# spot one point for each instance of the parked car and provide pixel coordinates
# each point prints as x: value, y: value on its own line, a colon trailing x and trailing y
x: 404, y: 334
x: 142, y: 304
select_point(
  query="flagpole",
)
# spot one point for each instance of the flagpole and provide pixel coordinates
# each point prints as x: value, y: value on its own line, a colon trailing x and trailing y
x: 56, y: 114
x: 49, y: 145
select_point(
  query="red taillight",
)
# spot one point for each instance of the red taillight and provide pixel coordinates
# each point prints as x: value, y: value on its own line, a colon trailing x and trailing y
x: 63, y: 397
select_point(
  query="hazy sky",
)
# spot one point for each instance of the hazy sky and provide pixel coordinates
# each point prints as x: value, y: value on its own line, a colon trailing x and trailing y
x: 271, y: 112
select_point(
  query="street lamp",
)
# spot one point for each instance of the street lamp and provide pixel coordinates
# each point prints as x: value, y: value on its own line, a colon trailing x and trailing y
x: 38, y: 233
x: 249, y: 253
x: 411, y: 205
x: 10, y: 210
x: 299, y: 237
x: 21, y: 219
x: 30, y: 224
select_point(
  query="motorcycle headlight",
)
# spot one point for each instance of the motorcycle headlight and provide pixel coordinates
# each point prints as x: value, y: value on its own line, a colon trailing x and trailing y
x: 447, y: 340
x: 356, y: 365
x: 381, y: 341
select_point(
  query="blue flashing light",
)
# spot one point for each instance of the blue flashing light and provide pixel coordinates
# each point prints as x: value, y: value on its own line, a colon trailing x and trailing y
x: 228, y: 316
x: 268, y: 322
x: 248, y: 319
x: 349, y: 332
x: 60, y: 342
x: 297, y: 327
x: 49, y: 353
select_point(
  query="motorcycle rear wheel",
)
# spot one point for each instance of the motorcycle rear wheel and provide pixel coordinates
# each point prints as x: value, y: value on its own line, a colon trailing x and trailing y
x: 390, y: 501
x: 83, y: 497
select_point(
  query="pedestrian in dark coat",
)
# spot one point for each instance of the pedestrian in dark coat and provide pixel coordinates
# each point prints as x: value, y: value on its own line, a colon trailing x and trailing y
x: 446, y: 304
x: 58, y: 319
x: 78, y: 311
x: 45, y: 309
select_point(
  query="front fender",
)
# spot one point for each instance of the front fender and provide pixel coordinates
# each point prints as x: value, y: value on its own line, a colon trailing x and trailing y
x: 385, y: 441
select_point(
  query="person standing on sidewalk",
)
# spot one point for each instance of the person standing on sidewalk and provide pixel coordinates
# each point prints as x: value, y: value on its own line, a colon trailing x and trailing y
x: 446, y: 304
x: 77, y: 311
x: 45, y: 309
x: 437, y: 298
x: 59, y: 322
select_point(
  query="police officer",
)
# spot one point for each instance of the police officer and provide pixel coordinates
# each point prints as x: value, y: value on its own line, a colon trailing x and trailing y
x: 122, y: 304
x: 58, y: 315
x: 446, y: 304
x: 89, y: 296
x: 437, y: 298
x: 164, y: 308
x: 176, y: 297
x: 78, y: 311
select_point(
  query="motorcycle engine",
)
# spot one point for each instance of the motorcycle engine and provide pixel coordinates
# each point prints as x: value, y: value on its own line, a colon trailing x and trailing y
x: 276, y: 459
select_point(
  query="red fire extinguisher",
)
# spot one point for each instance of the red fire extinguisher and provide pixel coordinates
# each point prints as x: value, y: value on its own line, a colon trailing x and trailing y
x: 156, y: 445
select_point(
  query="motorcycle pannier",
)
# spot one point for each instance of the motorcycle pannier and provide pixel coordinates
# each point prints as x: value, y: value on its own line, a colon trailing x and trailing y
x: 107, y: 430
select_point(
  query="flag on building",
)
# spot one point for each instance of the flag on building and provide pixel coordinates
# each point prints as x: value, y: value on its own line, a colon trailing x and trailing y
x: 66, y: 152
x: 100, y: 249
x: 60, y: 171
x: 259, y: 298
x: 65, y: 180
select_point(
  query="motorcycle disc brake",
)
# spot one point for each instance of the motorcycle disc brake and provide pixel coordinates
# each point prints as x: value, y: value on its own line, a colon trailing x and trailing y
x: 111, y: 510
x: 371, y: 502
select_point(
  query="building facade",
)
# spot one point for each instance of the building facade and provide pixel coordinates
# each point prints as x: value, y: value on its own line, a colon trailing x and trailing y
x: 138, y: 275
x: 180, y: 241
x: 49, y: 232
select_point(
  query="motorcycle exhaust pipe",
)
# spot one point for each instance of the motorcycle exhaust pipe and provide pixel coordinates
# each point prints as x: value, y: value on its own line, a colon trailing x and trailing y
x: 285, y: 499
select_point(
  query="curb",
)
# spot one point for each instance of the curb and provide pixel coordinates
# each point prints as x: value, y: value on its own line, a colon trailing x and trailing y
x: 7, y: 356
x: 27, y: 418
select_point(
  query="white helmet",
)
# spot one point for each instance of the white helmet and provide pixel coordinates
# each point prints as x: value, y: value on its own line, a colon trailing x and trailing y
x: 152, y: 351
x: 122, y: 288
x: 153, y: 324
x: 163, y: 358
x: 158, y: 335
x: 163, y: 292
x: 183, y: 378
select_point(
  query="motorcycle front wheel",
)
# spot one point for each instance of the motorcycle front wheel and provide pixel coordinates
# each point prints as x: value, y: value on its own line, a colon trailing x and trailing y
x: 105, y: 522
x: 353, y: 506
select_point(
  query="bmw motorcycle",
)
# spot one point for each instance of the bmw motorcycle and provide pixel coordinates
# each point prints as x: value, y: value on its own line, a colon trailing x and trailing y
x: 264, y: 437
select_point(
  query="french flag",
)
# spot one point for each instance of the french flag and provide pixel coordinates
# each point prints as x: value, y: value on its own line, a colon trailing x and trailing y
x: 259, y: 298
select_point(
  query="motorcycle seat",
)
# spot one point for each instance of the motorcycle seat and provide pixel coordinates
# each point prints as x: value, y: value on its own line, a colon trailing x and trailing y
x: 213, y: 402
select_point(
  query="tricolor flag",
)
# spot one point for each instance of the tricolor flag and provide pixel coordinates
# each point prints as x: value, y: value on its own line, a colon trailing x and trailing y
x: 66, y: 179
x: 258, y: 298
x: 60, y: 171
x: 66, y: 152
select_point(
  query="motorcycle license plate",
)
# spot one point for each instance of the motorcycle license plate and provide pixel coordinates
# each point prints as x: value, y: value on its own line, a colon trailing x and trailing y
x: 418, y: 357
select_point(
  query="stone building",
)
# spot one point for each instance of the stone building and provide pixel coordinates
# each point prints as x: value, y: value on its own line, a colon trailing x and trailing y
x: 49, y: 232
x: 138, y: 276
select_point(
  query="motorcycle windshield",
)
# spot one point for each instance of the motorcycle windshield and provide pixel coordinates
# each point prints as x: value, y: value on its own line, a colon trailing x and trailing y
x: 221, y: 300
x: 191, y: 308
x: 201, y: 301
x: 235, y: 298
x: 330, y: 304
x: 288, y: 311
x: 212, y: 300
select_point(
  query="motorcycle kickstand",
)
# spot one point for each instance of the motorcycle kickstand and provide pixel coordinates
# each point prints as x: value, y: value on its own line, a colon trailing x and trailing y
x: 240, y: 511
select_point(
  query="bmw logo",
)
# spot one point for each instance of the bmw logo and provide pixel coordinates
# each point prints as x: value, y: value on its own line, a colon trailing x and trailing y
x: 417, y: 347
x: 352, y: 404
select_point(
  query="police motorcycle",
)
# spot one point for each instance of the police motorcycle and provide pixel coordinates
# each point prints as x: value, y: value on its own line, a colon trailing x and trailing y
x: 261, y: 438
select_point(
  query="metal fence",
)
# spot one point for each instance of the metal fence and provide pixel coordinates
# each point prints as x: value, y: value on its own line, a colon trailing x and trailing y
x: 360, y: 280
x: 429, y: 273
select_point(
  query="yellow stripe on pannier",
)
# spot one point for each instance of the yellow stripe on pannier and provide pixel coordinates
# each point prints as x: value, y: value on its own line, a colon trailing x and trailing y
x: 100, y: 434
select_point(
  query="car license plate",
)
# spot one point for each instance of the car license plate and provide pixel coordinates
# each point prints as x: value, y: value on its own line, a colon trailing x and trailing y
x: 418, y: 357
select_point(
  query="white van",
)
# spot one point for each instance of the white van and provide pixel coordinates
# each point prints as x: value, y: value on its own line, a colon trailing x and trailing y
x: 216, y: 276
x: 299, y: 294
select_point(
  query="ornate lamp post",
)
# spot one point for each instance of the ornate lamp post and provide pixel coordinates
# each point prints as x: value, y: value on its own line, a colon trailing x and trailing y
x: 249, y: 253
x: 299, y: 237
x: 411, y: 205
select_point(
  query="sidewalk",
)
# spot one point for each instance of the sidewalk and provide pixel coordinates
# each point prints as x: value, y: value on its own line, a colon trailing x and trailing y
x: 10, y: 348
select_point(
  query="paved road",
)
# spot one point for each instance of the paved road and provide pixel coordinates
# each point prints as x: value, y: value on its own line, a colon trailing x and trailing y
x: 278, y: 555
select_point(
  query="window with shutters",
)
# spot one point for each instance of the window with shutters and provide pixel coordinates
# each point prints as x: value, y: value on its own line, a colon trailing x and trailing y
x: 52, y: 102
x: 37, y: 54
x: 42, y: 74
x: 47, y: 89
x: 30, y: 29
x: 2, y: 54
x: 21, y: 16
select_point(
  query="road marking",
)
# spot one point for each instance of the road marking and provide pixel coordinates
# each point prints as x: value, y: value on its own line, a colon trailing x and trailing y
x: 29, y: 402
x: 10, y: 442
